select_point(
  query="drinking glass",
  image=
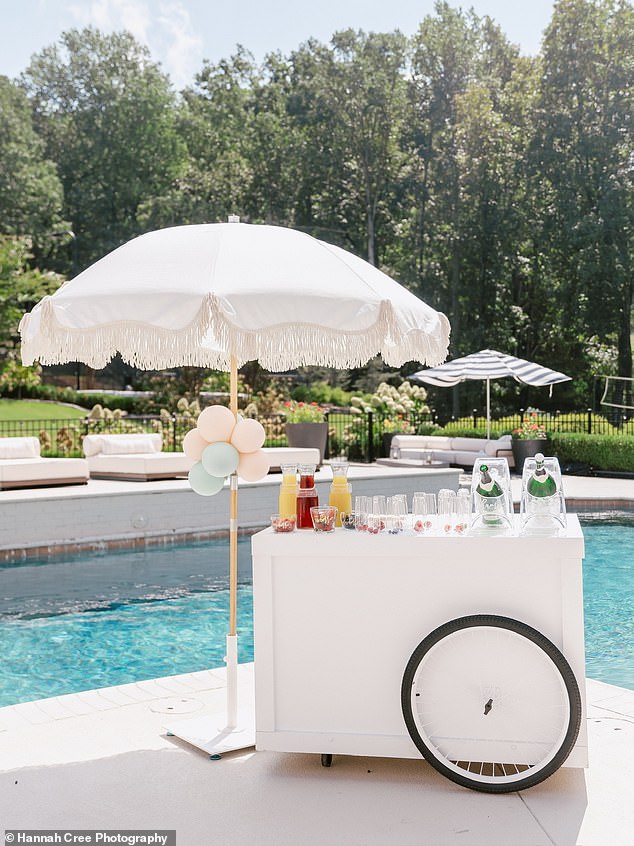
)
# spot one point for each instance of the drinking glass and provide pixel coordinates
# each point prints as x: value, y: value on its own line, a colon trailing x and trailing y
x: 396, y: 518
x: 362, y: 507
x: 423, y: 512
x: 463, y: 511
x: 379, y: 514
x: 447, y: 510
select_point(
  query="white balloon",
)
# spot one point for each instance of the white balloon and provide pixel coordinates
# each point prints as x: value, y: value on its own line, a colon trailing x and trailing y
x: 253, y: 466
x: 194, y: 444
x: 216, y: 423
x: 248, y: 436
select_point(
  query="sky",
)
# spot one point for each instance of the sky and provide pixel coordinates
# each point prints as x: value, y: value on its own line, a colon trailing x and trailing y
x: 182, y: 33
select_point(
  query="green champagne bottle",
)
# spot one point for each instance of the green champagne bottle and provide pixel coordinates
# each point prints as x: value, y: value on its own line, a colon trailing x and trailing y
x: 487, y: 486
x: 541, y: 483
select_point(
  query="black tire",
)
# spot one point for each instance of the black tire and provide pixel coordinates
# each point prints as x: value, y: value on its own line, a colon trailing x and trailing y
x: 562, y: 698
x: 326, y: 760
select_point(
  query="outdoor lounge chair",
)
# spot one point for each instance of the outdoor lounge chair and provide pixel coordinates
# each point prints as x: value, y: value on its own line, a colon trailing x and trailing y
x: 133, y: 457
x: 22, y: 466
x: 292, y: 455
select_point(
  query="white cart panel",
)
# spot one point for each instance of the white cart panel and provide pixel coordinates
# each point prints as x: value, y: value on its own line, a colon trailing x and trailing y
x: 337, y: 617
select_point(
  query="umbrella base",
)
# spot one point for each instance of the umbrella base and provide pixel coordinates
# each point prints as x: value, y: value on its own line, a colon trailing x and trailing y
x: 210, y: 733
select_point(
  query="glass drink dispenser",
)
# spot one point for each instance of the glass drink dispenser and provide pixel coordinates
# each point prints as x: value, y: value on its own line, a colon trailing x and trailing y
x: 542, y: 507
x: 306, y: 496
x: 340, y: 489
x: 491, y: 501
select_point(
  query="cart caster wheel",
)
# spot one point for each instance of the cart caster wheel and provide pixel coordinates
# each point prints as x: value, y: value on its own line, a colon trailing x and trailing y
x: 326, y: 760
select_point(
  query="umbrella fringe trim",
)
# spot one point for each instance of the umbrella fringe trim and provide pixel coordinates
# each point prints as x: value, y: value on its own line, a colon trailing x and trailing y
x: 277, y: 349
x: 289, y: 345
x: 145, y: 347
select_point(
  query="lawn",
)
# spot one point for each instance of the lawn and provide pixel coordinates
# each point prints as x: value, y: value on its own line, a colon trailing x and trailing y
x: 38, y: 410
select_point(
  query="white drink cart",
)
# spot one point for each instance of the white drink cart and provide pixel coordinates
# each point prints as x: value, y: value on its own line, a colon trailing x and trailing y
x: 467, y: 650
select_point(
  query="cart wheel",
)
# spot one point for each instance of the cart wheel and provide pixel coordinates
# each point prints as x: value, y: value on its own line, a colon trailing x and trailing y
x: 326, y: 760
x: 491, y: 703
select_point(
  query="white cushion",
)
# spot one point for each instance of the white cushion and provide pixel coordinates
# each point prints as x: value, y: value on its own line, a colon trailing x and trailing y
x: 475, y: 445
x: 291, y: 455
x: 140, y: 464
x: 19, y: 448
x: 122, y: 444
x: 43, y: 470
x: 494, y: 447
x: 437, y: 442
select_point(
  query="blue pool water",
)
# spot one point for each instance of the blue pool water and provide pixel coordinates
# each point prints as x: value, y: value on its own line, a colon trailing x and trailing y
x: 106, y: 619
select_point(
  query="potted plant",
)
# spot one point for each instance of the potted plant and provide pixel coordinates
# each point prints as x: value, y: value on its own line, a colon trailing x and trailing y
x: 306, y: 425
x: 527, y: 440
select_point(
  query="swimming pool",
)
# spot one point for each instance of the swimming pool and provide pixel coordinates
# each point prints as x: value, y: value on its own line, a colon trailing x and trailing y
x: 99, y: 620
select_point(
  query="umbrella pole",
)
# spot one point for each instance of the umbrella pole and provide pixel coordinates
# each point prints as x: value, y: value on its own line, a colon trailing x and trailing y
x: 488, y: 409
x: 232, y: 637
x: 239, y: 730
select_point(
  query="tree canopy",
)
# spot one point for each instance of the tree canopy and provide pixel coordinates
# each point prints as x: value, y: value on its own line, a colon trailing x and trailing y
x: 496, y: 186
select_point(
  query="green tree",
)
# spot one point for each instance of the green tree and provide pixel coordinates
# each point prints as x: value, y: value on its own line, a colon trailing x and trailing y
x: 351, y: 98
x: 213, y: 125
x: 31, y: 194
x: 107, y: 115
x: 21, y: 287
x: 585, y: 142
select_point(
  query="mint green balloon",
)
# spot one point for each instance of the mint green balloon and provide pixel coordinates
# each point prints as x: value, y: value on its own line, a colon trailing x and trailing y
x: 202, y: 482
x: 220, y: 459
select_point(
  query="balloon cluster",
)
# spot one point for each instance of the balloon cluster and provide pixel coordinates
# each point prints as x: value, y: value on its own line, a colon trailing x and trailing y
x: 222, y: 444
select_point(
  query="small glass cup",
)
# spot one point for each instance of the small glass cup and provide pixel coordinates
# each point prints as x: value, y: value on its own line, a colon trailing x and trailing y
x: 463, y: 511
x: 423, y: 512
x: 396, y: 519
x: 283, y: 525
x: 447, y: 510
x: 323, y: 517
x: 362, y: 508
x: 348, y: 519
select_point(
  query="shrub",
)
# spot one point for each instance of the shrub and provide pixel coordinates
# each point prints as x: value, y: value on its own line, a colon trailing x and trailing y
x: 601, y: 452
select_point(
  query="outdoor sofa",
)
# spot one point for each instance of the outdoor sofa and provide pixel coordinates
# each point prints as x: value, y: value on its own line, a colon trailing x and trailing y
x: 22, y: 466
x: 459, y: 451
x: 292, y: 455
x: 139, y: 457
x: 133, y: 457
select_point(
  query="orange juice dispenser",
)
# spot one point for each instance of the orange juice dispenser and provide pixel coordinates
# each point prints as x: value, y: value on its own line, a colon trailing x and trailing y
x: 340, y: 489
x: 288, y: 491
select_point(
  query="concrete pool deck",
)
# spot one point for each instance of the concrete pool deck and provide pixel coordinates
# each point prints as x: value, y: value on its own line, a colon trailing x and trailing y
x: 102, y: 759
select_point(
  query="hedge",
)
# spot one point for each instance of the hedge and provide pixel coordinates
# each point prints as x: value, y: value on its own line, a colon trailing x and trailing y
x: 601, y: 452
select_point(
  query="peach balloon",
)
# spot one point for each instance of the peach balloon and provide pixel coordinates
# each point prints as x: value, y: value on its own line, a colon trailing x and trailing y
x: 248, y: 435
x: 216, y: 423
x: 253, y: 466
x: 194, y: 444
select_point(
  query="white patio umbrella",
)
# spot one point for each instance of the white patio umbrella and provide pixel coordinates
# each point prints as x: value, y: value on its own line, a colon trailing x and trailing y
x: 218, y: 295
x: 487, y: 365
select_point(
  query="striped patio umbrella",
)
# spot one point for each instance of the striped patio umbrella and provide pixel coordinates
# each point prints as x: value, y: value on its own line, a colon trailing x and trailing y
x: 487, y: 365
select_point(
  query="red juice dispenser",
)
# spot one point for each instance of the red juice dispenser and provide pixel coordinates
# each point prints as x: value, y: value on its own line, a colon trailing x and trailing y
x: 306, y: 496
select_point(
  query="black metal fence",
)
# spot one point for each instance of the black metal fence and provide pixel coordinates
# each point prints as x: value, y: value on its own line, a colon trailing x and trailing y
x: 65, y: 437
x: 359, y: 435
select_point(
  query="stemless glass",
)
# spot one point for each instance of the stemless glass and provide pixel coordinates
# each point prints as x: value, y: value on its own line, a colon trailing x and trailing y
x: 447, y: 510
x: 463, y: 511
x: 379, y: 514
x: 396, y: 518
x: 362, y: 507
x: 423, y: 512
